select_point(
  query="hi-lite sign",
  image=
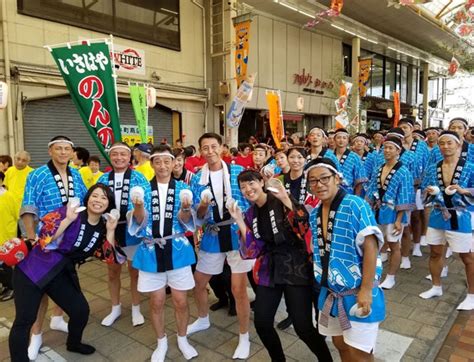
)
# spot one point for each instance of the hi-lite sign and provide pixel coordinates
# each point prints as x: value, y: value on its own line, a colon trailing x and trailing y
x: 128, y: 60
x: 310, y: 84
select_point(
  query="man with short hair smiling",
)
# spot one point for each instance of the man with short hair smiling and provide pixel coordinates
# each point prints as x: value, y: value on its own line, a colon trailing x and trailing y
x: 165, y: 256
x: 47, y: 188
x: 450, y: 184
x: 317, y: 139
x: 432, y: 134
x: 121, y: 180
x: 347, y: 264
x: 259, y: 156
x: 214, y: 189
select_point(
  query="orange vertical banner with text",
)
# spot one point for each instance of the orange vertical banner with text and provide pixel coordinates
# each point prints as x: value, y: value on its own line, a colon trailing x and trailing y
x: 275, y: 115
x: 364, y: 75
x: 396, y: 108
x: 242, y: 34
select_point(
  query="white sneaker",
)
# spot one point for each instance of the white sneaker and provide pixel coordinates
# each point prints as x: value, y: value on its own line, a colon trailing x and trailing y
x: 159, y: 353
x: 137, y: 317
x: 417, y: 250
x: 389, y: 282
x: 468, y: 303
x: 435, y: 291
x: 405, y: 264
x: 186, y: 349
x: 444, y: 273
x: 384, y: 257
x: 243, y: 349
x: 198, y: 325
x: 113, y: 316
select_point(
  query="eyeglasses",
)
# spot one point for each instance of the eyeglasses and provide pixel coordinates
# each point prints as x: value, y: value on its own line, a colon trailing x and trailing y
x: 324, y: 180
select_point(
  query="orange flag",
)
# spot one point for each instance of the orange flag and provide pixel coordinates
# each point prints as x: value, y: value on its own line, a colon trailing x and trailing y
x: 396, y: 108
x: 276, y: 116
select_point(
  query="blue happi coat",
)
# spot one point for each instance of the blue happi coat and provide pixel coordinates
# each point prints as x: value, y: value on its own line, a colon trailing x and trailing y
x: 450, y: 213
x: 354, y: 221
x: 181, y: 250
x: 353, y: 172
x: 467, y: 151
x: 408, y: 159
x: 398, y: 196
x: 42, y: 193
x: 136, y: 179
x: 210, y: 240
x: 327, y: 154
x: 422, y: 155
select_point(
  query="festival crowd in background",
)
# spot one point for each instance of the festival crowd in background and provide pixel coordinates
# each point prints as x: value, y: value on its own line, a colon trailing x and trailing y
x: 325, y: 221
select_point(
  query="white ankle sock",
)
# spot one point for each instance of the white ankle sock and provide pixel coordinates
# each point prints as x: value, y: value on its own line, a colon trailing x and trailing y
x: 58, y: 323
x: 417, y: 250
x: 435, y: 291
x: 405, y: 264
x: 186, y: 349
x: 423, y: 241
x: 467, y: 303
x: 160, y: 352
x: 384, y: 257
x: 36, y: 341
x: 389, y: 282
x: 449, y: 252
x: 137, y: 316
x: 243, y: 349
x: 198, y: 325
x: 112, y: 317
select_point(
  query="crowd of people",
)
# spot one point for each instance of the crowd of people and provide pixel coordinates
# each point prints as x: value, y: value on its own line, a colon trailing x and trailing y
x: 312, y: 221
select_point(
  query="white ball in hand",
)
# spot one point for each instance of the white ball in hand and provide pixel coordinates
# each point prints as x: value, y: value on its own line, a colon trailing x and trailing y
x: 434, y: 190
x: 137, y: 193
x: 115, y: 214
x: 450, y: 190
x: 186, y: 195
x: 74, y: 202
x: 206, y: 195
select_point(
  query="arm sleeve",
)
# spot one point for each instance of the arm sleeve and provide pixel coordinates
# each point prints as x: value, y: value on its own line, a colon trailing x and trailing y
x: 30, y: 197
x: 363, y: 221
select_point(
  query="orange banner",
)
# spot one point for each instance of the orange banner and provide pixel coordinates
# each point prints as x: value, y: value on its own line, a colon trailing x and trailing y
x: 396, y: 108
x: 242, y: 34
x: 276, y: 116
x: 364, y: 75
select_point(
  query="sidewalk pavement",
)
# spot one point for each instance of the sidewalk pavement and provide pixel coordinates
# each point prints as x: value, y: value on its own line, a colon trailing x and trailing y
x: 414, y: 330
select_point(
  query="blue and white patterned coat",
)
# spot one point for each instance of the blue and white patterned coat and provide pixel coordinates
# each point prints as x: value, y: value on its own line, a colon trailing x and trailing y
x: 210, y: 241
x: 408, y: 159
x: 136, y: 179
x: 353, y: 172
x: 353, y: 222
x: 145, y: 258
x: 399, y: 196
x: 42, y: 194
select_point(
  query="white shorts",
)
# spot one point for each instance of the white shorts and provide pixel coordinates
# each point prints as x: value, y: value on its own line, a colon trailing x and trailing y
x: 130, y: 251
x: 388, y: 234
x: 361, y: 336
x: 472, y: 221
x: 179, y: 279
x: 213, y: 263
x: 419, y: 201
x: 458, y: 242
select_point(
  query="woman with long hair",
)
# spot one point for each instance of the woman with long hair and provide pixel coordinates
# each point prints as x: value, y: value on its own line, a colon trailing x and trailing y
x: 67, y: 237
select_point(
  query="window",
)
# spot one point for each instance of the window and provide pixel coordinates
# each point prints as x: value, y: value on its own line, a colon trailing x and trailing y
x: 404, y: 84
x: 377, y: 77
x: 150, y: 21
x: 347, y: 58
x: 390, y: 78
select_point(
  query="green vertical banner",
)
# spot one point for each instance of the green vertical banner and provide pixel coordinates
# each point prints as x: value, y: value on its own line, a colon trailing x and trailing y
x: 90, y: 79
x: 140, y: 109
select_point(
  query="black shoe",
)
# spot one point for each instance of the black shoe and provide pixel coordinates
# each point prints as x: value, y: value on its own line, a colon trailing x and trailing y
x: 284, y: 324
x: 81, y: 348
x: 219, y: 304
x: 6, y: 295
x: 232, y: 312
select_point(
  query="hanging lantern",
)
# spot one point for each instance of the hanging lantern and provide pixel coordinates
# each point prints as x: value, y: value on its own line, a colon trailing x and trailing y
x: 300, y: 103
x: 389, y: 112
x: 151, y: 97
x: 3, y: 95
x: 414, y: 112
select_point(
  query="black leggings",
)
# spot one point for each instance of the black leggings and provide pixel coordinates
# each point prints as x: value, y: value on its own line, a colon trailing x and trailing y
x: 64, y: 291
x: 299, y: 305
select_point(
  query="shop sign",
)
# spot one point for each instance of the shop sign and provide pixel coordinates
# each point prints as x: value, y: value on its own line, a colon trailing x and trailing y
x: 312, y: 85
x: 129, y: 60
x: 131, y: 134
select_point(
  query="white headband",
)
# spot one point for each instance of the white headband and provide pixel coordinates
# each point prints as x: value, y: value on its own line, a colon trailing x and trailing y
x: 393, y: 143
x: 60, y: 141
x: 118, y: 147
x: 394, y: 134
x: 451, y: 136
x: 319, y: 129
x: 365, y: 139
x: 161, y: 154
x: 324, y: 165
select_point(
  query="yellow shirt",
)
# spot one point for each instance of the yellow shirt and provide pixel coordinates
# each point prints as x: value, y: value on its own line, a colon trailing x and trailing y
x: 15, y: 181
x: 9, y: 214
x: 88, y: 177
x: 146, y: 170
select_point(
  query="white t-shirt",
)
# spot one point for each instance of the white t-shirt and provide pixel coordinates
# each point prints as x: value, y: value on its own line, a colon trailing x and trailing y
x: 118, y: 185
x: 218, y: 188
x: 162, y: 193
